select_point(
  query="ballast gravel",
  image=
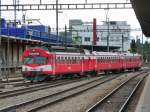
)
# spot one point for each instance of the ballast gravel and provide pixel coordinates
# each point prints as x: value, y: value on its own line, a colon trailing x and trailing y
x: 7, y: 102
x: 82, y: 102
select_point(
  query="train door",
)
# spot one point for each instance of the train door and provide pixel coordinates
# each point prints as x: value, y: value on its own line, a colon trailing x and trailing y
x: 124, y: 62
x: 140, y: 61
x: 86, y: 63
x: 49, y: 61
x: 53, y: 57
x: 82, y: 65
x: 89, y: 62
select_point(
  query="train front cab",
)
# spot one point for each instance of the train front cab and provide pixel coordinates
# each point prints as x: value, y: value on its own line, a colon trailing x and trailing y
x: 37, y: 64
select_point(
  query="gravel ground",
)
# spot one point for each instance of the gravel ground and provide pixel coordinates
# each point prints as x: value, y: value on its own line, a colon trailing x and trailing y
x: 85, y: 100
x: 35, y: 95
x: 12, y: 87
x: 131, y: 106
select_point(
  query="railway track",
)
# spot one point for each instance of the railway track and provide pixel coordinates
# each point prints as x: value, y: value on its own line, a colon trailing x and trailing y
x: 36, y: 88
x: 14, y: 80
x: 117, y: 100
x: 20, y: 82
x: 16, y: 84
x: 58, y: 96
x: 24, y: 84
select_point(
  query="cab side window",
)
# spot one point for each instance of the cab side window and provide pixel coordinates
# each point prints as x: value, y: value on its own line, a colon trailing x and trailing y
x: 58, y: 59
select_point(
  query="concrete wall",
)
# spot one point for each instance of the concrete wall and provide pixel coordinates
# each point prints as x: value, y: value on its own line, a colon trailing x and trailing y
x: 11, y: 50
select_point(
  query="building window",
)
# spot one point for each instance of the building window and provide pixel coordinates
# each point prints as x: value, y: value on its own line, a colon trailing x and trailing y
x: 104, y: 38
x: 87, y: 39
x: 97, y: 39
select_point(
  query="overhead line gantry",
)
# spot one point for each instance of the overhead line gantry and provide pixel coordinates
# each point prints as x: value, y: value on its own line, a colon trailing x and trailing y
x: 80, y: 6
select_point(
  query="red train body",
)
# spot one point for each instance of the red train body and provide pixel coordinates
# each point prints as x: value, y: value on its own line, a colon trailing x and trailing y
x: 40, y: 64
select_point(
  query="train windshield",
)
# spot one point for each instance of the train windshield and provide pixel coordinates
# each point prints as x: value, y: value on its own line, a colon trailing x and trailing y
x: 35, y: 60
x: 39, y: 60
x: 28, y: 60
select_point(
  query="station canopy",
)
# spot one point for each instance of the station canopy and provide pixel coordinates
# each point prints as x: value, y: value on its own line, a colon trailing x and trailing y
x: 142, y: 11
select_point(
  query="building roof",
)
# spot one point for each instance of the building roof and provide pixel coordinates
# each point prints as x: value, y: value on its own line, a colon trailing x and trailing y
x: 142, y: 11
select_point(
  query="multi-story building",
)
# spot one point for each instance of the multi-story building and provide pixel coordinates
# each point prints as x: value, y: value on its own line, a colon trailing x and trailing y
x: 118, y: 33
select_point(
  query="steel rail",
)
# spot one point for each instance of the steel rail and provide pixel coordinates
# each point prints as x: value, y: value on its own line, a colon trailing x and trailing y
x: 59, y: 96
x: 35, y: 88
x: 131, y: 95
x: 91, y: 109
x: 15, y: 80
x: 18, y: 83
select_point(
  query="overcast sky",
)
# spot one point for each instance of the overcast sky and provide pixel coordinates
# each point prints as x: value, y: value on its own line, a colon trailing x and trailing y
x: 49, y: 17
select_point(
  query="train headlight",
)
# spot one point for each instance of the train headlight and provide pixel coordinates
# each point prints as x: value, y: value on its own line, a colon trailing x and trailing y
x: 26, y: 69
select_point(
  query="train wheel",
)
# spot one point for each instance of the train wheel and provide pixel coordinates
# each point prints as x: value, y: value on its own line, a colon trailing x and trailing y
x: 31, y: 81
x: 94, y: 73
x: 136, y: 69
x: 106, y: 72
x: 123, y: 70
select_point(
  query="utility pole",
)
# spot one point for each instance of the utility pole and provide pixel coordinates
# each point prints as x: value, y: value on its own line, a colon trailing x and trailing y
x: 65, y: 35
x: 15, y: 12
x: 57, y: 17
x: 24, y: 18
x: 107, y: 23
x: 0, y: 20
x: 40, y: 1
x: 122, y: 43
x: 0, y: 45
x: 108, y: 35
x: 85, y: 1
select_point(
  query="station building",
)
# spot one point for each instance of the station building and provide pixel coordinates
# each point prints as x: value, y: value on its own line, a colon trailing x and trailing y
x: 118, y: 33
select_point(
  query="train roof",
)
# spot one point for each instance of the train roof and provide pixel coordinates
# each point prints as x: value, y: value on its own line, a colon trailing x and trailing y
x: 77, y: 51
x: 59, y: 49
x: 105, y: 53
x: 131, y: 54
x: 115, y: 54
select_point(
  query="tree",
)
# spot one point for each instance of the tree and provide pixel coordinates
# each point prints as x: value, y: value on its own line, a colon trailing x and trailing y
x: 146, y: 48
x: 76, y: 40
x: 133, y: 46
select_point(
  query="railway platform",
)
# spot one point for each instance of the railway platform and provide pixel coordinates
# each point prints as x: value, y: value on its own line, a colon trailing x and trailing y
x: 144, y: 102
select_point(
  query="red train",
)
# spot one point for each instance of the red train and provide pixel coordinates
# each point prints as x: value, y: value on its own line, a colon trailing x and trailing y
x: 40, y: 63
